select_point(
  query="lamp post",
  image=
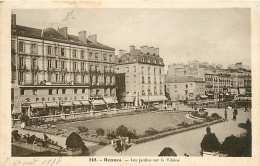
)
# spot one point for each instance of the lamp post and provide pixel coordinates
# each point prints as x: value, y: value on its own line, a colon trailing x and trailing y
x: 224, y: 95
x: 148, y: 97
x: 61, y: 103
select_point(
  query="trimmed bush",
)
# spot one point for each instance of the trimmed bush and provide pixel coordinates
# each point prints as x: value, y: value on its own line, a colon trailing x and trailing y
x: 100, y: 131
x: 121, y: 131
x: 151, y: 131
x: 167, y: 152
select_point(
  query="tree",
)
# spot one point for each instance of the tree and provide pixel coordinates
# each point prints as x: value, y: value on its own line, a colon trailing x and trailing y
x: 210, y: 142
x: 100, y: 131
x: 232, y: 146
x: 167, y: 152
x: 122, y: 131
x: 74, y: 141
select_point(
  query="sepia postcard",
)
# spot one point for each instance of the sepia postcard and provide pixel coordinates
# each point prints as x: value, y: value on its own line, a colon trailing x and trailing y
x: 129, y: 83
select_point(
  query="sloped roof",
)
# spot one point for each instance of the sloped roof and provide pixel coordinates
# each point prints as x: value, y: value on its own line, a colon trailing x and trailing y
x: 53, y: 35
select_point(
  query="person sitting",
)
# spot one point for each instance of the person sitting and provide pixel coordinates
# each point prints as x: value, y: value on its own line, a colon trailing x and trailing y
x: 210, y: 142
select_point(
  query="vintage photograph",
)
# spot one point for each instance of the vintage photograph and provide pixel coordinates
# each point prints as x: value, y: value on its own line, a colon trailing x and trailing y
x: 131, y: 82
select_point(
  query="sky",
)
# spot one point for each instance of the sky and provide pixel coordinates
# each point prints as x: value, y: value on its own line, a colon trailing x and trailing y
x: 208, y: 35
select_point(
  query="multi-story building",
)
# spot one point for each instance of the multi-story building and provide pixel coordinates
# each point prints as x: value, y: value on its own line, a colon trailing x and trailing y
x: 144, y: 76
x: 53, y: 71
x: 177, y: 70
x: 185, y: 88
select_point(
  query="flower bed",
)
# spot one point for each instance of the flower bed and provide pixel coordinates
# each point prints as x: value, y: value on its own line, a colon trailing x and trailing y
x: 174, y: 131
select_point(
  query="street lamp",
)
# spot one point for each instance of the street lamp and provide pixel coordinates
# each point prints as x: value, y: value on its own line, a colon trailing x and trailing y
x: 224, y: 95
x: 148, y: 97
x: 61, y: 103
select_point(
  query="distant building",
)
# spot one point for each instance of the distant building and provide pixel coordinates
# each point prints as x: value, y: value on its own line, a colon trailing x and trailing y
x: 53, y: 71
x: 144, y: 76
x: 177, y: 70
x: 185, y: 88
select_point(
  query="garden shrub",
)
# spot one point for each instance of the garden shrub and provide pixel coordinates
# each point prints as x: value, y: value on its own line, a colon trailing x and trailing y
x: 82, y: 129
x: 100, y: 131
x: 151, y: 131
x: 122, y: 131
x: 167, y: 152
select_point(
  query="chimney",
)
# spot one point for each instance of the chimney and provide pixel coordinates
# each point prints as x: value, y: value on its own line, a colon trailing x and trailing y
x: 144, y: 49
x: 156, y: 51
x: 151, y: 50
x: 121, y: 52
x: 63, y: 31
x: 93, y: 38
x: 13, y: 19
x: 83, y: 36
x: 131, y: 48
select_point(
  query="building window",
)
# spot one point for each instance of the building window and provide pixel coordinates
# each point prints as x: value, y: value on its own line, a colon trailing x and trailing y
x: 142, y: 79
x: 21, y: 46
x: 148, y: 70
x: 82, y: 54
x: 75, y: 91
x: 63, y: 78
x: 12, y: 94
x: 90, y: 55
x: 74, y: 53
x: 62, y: 51
x: 49, y: 63
x: 96, y: 55
x: 149, y: 80
x: 83, y: 90
x: 186, y: 86
x: 34, y: 49
x: 20, y: 62
x: 34, y: 64
x: 56, y: 64
x: 63, y: 91
x: 110, y: 58
x: 56, y: 51
x: 83, y: 79
x: 142, y: 70
x: 21, y: 91
x: 154, y: 71
x: 49, y: 51
x: 134, y: 68
x: 75, y: 66
x: 82, y: 66
x: 34, y: 91
x: 57, y: 77
x: 57, y: 91
x: 62, y: 64
x: 127, y: 69
x: 105, y: 57
x: 160, y: 71
x: 50, y: 91
x: 154, y: 80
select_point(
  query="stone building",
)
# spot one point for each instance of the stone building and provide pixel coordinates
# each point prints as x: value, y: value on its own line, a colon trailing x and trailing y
x: 144, y: 76
x: 53, y: 71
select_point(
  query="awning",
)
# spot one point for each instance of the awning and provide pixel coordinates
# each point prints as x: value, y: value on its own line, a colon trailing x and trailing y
x: 127, y: 99
x: 37, y: 105
x: 66, y: 103
x: 203, y: 96
x: 209, y: 94
x: 85, y: 102
x: 154, y: 98
x: 76, y: 102
x: 98, y: 102
x: 52, y: 104
x: 110, y: 100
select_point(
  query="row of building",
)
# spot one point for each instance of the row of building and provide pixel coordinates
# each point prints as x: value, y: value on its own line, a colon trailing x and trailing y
x: 54, y: 72
x: 195, y: 80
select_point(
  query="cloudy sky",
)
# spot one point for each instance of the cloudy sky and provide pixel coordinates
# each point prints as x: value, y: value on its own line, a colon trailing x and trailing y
x: 211, y: 35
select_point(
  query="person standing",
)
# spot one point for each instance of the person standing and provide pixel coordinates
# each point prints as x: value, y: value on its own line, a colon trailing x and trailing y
x: 234, y: 116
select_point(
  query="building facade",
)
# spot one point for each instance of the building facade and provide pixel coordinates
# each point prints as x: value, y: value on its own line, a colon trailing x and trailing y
x: 144, y: 76
x: 52, y: 70
x: 185, y: 88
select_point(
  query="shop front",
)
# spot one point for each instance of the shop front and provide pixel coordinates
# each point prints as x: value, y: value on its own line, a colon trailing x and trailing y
x: 66, y: 107
x: 77, y: 106
x: 85, y: 105
x: 159, y: 101
x: 38, y: 109
x: 52, y: 108
x: 110, y: 102
x: 98, y: 104
x: 127, y: 101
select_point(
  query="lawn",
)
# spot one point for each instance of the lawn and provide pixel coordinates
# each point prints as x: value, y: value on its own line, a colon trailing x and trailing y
x: 139, y: 122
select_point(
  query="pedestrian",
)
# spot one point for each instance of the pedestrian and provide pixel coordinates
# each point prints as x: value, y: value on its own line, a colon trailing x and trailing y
x: 246, y: 110
x: 235, y: 110
x: 22, y: 125
x: 234, y: 116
